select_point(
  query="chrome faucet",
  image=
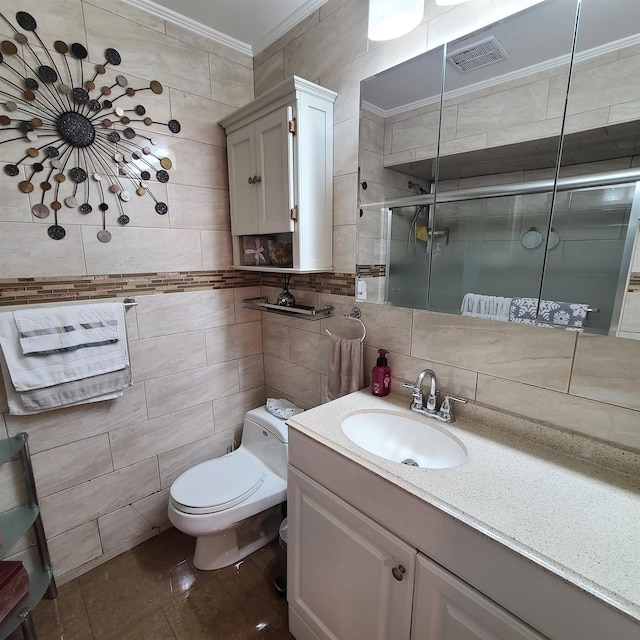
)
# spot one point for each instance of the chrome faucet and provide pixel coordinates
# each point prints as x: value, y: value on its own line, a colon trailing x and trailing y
x: 445, y: 412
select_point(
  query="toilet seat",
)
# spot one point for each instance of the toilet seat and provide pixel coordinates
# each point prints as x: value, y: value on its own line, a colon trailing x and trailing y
x: 218, y: 484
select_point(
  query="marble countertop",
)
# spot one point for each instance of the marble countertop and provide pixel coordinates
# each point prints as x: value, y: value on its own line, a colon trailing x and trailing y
x: 577, y: 515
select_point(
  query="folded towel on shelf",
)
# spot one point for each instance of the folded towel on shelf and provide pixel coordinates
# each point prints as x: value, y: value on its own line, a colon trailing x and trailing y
x: 36, y: 372
x: 475, y: 305
x: 282, y: 408
x: 43, y: 331
x: 548, y: 312
x: 346, y: 369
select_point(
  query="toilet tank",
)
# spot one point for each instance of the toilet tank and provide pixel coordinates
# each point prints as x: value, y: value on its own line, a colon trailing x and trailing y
x: 266, y: 437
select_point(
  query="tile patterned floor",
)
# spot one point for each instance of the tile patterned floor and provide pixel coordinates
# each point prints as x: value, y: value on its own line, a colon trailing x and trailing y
x: 153, y: 593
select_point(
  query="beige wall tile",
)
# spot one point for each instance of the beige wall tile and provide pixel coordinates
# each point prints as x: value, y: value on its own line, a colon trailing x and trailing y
x: 120, y: 526
x: 124, y: 9
x: 155, y: 357
x: 233, y: 341
x: 631, y: 313
x: 541, y: 357
x: 244, y: 314
x: 344, y: 248
x: 228, y: 412
x: 198, y: 165
x: 345, y: 195
x: 133, y: 444
x: 189, y: 311
x: 39, y: 255
x: 217, y: 254
x: 269, y: 73
x: 607, y: 369
x: 198, y: 208
x: 153, y: 508
x: 595, y: 419
x: 345, y: 148
x: 309, y: 350
x: 63, y: 426
x: 198, y: 117
x: 387, y: 327
x: 56, y: 20
x: 14, y: 206
x: 174, y: 63
x: 251, y: 372
x: 164, y: 250
x: 292, y: 380
x: 71, y: 464
x: 177, y: 461
x: 231, y: 83
x: 190, y: 388
x: 75, y: 547
x: 78, y: 505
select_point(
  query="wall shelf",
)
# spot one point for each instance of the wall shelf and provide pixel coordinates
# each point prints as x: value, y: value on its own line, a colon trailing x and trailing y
x: 14, y: 524
x: 297, y: 311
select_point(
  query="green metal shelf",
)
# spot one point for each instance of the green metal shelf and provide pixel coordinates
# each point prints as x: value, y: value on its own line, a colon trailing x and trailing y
x: 13, y: 525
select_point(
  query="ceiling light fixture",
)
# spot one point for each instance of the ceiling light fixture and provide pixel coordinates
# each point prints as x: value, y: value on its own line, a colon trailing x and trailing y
x: 389, y: 19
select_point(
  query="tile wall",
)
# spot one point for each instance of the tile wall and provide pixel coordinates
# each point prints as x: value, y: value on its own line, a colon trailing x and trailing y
x: 582, y: 383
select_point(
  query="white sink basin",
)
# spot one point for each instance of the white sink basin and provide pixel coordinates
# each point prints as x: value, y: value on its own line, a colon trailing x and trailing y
x: 403, y: 440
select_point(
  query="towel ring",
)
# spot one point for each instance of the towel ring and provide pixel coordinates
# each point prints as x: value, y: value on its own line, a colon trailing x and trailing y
x: 354, y: 315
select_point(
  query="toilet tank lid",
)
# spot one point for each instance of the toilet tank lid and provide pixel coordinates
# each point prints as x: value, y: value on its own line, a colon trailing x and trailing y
x: 263, y: 418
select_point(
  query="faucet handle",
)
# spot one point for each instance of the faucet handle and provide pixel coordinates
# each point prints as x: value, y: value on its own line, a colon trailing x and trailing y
x: 446, y: 410
x: 416, y: 393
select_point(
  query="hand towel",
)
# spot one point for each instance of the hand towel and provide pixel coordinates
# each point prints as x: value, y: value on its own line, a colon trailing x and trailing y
x: 488, y: 307
x: 346, y: 372
x: 551, y: 312
x: 52, y: 330
x: 36, y: 372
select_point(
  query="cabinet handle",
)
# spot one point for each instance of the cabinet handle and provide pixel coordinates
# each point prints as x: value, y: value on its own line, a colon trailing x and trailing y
x: 250, y: 180
x: 257, y: 179
x: 398, y: 572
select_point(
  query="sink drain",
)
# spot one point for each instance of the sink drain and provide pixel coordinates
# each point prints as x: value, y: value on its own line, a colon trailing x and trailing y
x: 411, y: 463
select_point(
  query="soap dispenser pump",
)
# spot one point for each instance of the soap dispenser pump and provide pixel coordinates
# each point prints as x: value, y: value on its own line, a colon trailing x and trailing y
x: 381, y: 375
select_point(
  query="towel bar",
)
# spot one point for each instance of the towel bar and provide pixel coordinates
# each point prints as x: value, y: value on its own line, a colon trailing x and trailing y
x: 354, y: 315
x: 129, y: 302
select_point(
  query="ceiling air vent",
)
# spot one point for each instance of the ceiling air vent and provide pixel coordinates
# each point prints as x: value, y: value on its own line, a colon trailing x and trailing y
x: 477, y: 55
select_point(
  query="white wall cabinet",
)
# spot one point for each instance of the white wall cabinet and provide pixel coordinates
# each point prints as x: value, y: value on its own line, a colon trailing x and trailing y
x: 351, y: 577
x: 280, y: 157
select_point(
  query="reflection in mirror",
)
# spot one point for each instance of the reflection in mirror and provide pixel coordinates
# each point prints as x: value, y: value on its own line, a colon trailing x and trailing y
x: 596, y: 228
x: 485, y: 229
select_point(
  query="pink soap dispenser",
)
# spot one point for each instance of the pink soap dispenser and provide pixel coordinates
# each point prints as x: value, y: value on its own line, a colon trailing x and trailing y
x: 381, y: 375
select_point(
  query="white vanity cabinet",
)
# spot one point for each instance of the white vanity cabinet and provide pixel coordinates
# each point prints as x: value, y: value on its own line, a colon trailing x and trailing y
x: 351, y: 577
x: 280, y: 159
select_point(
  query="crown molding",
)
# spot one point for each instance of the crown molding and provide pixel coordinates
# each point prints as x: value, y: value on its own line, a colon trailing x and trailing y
x: 197, y: 27
x: 192, y: 25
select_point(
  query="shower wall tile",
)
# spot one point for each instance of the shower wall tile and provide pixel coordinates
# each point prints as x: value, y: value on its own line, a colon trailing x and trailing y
x: 541, y: 357
x: 233, y: 342
x: 164, y: 355
x: 143, y: 441
x: 122, y: 525
x: 606, y: 369
x: 228, y: 412
x: 251, y: 372
x: 194, y: 310
x: 78, y: 505
x: 75, y: 547
x: 595, y: 419
x: 63, y: 426
x: 66, y: 466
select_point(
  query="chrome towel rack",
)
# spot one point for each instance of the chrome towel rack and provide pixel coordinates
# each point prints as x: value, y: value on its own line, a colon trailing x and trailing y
x: 354, y: 315
x: 129, y: 302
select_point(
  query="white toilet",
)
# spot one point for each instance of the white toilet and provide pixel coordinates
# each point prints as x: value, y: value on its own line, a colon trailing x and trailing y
x: 232, y: 504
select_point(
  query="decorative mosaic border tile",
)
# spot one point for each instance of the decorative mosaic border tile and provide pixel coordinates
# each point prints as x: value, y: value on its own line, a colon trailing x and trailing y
x: 371, y: 270
x: 64, y: 289
x: 634, y: 282
x: 339, y: 284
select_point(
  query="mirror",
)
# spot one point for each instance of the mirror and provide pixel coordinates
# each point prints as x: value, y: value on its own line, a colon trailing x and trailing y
x: 481, y: 197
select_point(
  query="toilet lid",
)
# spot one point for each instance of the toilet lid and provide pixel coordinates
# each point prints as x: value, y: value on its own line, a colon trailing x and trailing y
x: 218, y: 484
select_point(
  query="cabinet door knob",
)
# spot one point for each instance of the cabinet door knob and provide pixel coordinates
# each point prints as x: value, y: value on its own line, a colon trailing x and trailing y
x: 257, y: 179
x: 398, y: 572
x: 251, y: 180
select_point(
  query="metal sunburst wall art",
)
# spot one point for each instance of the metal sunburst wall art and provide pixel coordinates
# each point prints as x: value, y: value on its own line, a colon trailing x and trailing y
x: 81, y: 138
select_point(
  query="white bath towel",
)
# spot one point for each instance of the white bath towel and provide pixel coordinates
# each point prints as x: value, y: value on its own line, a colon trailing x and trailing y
x: 51, y: 330
x: 475, y: 305
x: 37, y: 372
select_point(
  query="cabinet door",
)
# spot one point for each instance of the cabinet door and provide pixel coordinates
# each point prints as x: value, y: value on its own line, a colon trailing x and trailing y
x: 274, y: 151
x: 446, y: 608
x: 341, y: 568
x: 243, y: 194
